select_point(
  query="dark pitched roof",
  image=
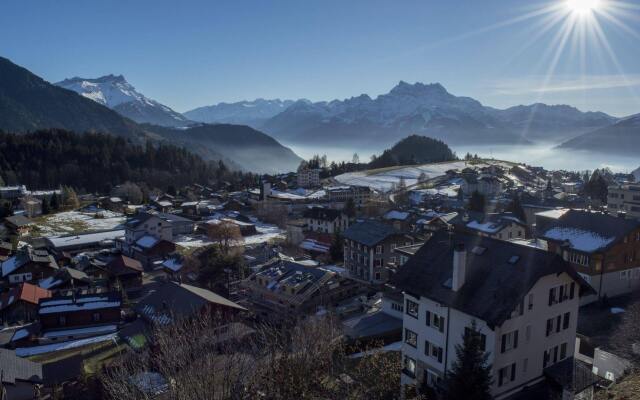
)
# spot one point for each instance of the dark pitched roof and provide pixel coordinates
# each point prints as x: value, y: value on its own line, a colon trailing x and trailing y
x: 369, y: 232
x: 18, y: 220
x: 174, y: 299
x: 122, y: 265
x: 327, y: 214
x: 494, y: 285
x: 15, y: 368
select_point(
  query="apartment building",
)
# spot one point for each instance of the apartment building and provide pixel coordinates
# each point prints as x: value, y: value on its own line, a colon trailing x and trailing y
x: 523, y: 301
x: 624, y: 198
x: 369, y: 247
x: 325, y: 220
x: 308, y: 177
x: 340, y: 194
x: 604, y: 249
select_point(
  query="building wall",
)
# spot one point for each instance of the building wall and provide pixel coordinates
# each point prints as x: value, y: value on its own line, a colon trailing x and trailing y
x: 624, y: 198
x: 367, y: 263
x: 80, y: 318
x: 531, y: 327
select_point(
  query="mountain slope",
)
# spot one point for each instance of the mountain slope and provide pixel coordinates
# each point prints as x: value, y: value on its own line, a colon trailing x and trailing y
x: 249, y: 149
x: 413, y: 150
x: 252, y: 113
x: 623, y: 137
x: 28, y: 103
x: 426, y: 110
x: 119, y: 95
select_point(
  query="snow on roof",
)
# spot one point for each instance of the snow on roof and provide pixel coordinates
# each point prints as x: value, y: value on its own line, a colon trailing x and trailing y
x: 49, y: 282
x: 579, y: 239
x: 555, y: 213
x: 89, y: 238
x: 398, y: 215
x: 10, y: 265
x: 56, y: 302
x: 20, y: 334
x: 147, y: 241
x: 81, y: 331
x: 487, y: 227
x: 173, y: 264
x: 314, y: 245
x: 32, y: 351
x: 97, y: 305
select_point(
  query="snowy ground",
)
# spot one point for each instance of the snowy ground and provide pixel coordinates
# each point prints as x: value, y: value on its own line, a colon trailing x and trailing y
x: 383, y: 179
x: 48, y: 348
x: 266, y: 232
x: 72, y: 222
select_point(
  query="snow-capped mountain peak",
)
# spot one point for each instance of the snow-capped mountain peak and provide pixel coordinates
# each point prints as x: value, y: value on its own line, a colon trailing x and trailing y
x: 116, y: 93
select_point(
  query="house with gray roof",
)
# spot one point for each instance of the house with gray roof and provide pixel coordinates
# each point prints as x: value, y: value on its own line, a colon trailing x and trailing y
x: 19, y: 376
x: 604, y: 249
x: 522, y: 301
x: 368, y: 249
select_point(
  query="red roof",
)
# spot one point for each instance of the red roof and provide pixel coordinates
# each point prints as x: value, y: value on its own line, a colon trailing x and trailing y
x: 25, y: 292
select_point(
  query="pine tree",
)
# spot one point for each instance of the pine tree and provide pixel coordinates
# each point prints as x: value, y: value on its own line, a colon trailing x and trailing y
x: 515, y: 207
x: 337, y: 247
x: 46, y: 209
x: 470, y: 376
x: 54, y: 202
x: 350, y: 208
x: 477, y: 202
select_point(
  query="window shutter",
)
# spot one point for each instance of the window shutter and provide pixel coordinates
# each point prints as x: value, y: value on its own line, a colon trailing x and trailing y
x: 500, y: 376
x: 513, y: 372
x: 428, y: 318
x: 558, y: 323
x: 439, y: 354
x: 551, y: 296
x: 549, y: 326
x: 561, y: 293
x: 503, y: 344
x: 515, y: 340
x: 441, y: 324
x: 565, y: 323
x: 572, y: 290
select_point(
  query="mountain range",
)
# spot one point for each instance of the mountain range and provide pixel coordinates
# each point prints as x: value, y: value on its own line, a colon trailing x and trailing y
x: 115, y: 92
x: 621, y: 137
x: 253, y: 113
x: 29, y: 103
x: 425, y: 109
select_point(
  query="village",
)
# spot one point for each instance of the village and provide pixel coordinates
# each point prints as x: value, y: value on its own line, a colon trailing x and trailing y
x: 542, y: 264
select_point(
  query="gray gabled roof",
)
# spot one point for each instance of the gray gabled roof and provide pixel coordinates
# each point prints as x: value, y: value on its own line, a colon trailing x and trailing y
x: 494, y: 286
x: 369, y: 232
x: 15, y: 368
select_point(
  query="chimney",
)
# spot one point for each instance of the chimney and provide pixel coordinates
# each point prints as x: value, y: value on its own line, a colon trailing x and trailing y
x: 459, y: 267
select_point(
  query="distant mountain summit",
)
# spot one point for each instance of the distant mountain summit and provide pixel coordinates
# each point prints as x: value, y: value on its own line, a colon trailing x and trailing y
x: 427, y: 109
x: 622, y: 137
x: 29, y: 103
x: 252, y: 113
x: 116, y: 93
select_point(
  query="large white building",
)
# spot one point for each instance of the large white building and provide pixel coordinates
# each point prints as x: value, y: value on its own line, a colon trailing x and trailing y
x: 308, y: 177
x: 524, y: 301
x: 624, y: 198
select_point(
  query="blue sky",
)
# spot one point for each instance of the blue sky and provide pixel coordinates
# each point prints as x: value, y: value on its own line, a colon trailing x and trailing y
x: 192, y: 53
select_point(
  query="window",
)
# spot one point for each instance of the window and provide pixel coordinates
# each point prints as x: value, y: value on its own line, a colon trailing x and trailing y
x: 563, y: 351
x: 409, y: 366
x: 530, y: 301
x: 62, y: 320
x: 558, y: 322
x: 377, y: 276
x: 410, y: 338
x: 379, y: 249
x: 433, y: 351
x: 566, y: 320
x: 528, y: 333
x: 96, y: 317
x: 397, y: 307
x: 412, y: 308
x: 624, y: 275
x: 431, y: 378
x: 579, y: 258
x: 507, y: 374
x: 435, y: 321
x: 509, y: 341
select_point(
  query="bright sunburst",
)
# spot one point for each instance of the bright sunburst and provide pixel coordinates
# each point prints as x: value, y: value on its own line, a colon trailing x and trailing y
x: 582, y: 6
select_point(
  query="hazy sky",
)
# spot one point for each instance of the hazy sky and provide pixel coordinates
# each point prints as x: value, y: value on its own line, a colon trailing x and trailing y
x: 192, y: 53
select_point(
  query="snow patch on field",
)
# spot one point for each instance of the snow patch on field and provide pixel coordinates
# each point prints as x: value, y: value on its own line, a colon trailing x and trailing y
x: 266, y: 232
x: 384, y: 179
x: 70, y: 222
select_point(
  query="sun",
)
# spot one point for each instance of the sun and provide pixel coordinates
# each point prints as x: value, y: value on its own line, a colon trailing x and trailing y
x: 582, y: 6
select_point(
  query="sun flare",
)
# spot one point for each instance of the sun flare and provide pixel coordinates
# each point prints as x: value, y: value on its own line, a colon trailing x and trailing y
x: 582, y: 6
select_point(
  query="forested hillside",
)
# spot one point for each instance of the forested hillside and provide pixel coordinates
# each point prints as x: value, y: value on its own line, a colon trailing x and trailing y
x: 413, y: 149
x: 96, y: 162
